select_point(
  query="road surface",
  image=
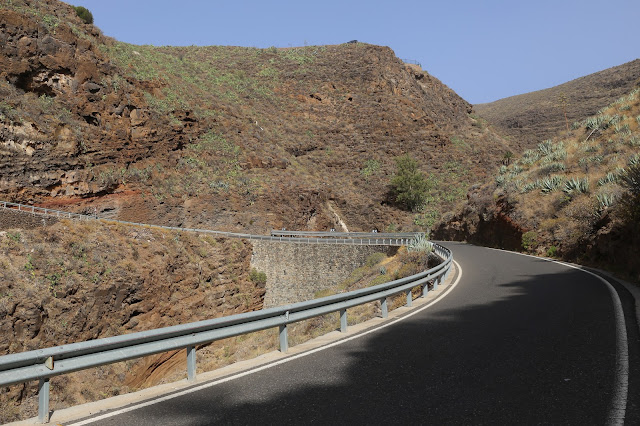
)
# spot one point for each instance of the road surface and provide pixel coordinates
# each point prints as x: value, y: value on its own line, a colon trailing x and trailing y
x: 519, y: 340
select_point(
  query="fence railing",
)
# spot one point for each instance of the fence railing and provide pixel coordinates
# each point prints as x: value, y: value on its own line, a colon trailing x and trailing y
x: 42, y: 364
x: 411, y: 61
x: 346, y: 238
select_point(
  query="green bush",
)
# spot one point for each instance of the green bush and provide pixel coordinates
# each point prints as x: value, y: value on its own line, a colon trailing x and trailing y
x: 552, y: 251
x: 529, y: 240
x: 84, y: 14
x: 408, y: 185
x: 257, y: 277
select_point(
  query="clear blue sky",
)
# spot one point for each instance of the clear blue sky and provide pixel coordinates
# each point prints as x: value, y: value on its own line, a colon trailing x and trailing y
x: 484, y: 50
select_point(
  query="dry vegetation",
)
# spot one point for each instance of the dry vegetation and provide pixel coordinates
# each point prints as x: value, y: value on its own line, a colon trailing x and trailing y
x: 574, y: 196
x: 564, y: 186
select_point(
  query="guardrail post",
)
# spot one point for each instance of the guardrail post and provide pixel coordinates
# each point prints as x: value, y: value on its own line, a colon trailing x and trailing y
x: 409, y: 298
x: 191, y: 363
x: 384, y: 307
x: 43, y: 401
x: 425, y: 289
x: 435, y: 283
x: 343, y: 320
x: 284, y: 339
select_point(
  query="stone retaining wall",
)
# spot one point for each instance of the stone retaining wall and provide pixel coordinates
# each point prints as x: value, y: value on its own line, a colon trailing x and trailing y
x: 295, y: 272
x: 10, y: 219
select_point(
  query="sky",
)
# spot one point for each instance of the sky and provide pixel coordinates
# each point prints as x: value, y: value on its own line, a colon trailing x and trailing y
x: 483, y: 49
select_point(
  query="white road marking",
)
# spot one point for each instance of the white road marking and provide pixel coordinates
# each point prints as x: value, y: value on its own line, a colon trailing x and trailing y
x: 621, y: 381
x: 264, y: 367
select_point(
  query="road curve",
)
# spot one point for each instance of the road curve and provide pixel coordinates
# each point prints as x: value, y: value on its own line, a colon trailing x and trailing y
x: 519, y: 340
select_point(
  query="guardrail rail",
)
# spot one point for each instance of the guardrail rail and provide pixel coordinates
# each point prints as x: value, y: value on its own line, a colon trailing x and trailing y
x: 300, y: 237
x: 43, y: 364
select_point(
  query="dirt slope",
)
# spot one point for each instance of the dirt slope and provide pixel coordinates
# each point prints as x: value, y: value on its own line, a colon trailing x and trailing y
x: 533, y: 117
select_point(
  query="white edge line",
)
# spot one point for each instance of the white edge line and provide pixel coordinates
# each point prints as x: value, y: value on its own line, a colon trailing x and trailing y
x: 621, y: 381
x: 273, y: 364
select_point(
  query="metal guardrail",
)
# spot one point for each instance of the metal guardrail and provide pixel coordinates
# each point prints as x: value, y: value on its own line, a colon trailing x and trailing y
x: 42, y: 364
x: 348, y: 238
x: 334, y: 234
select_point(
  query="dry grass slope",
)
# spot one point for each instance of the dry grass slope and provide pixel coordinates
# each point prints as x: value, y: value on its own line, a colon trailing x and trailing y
x: 532, y: 117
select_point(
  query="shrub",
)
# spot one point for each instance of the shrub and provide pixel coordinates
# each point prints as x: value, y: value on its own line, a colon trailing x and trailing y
x: 371, y: 167
x: 552, y: 251
x: 374, y: 259
x: 529, y: 240
x: 409, y: 185
x: 257, y: 277
x: 84, y: 14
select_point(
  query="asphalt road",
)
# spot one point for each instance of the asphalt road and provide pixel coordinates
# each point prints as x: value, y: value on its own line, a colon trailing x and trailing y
x: 518, y: 341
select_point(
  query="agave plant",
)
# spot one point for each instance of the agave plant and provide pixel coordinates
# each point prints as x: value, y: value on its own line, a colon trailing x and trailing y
x: 558, y: 155
x: 551, y: 183
x: 634, y: 160
x: 420, y: 244
x: 622, y: 129
x: 609, y: 178
x: 546, y: 147
x: 576, y: 185
x: 556, y: 167
x: 530, y: 186
x: 605, y: 200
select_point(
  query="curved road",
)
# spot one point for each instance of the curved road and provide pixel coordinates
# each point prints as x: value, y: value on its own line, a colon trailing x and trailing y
x: 519, y: 340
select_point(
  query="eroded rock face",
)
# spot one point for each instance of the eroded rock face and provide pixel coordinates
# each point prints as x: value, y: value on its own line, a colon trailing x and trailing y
x: 62, y: 110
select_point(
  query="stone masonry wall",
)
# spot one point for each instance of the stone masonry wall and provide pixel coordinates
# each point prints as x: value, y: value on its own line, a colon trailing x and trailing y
x: 295, y: 272
x: 10, y: 219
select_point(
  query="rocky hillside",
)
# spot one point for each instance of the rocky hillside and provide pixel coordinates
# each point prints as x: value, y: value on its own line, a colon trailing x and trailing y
x: 71, y: 281
x: 575, y: 196
x: 525, y: 120
x: 224, y: 137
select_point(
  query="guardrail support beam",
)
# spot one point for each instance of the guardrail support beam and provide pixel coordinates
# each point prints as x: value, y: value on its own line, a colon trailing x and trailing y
x: 191, y: 363
x: 343, y: 320
x: 43, y: 401
x: 384, y: 307
x: 425, y: 289
x: 409, y: 300
x: 284, y: 339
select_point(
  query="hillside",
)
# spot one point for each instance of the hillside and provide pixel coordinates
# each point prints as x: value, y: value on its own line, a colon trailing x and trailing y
x: 574, y: 196
x: 226, y: 137
x: 527, y: 119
